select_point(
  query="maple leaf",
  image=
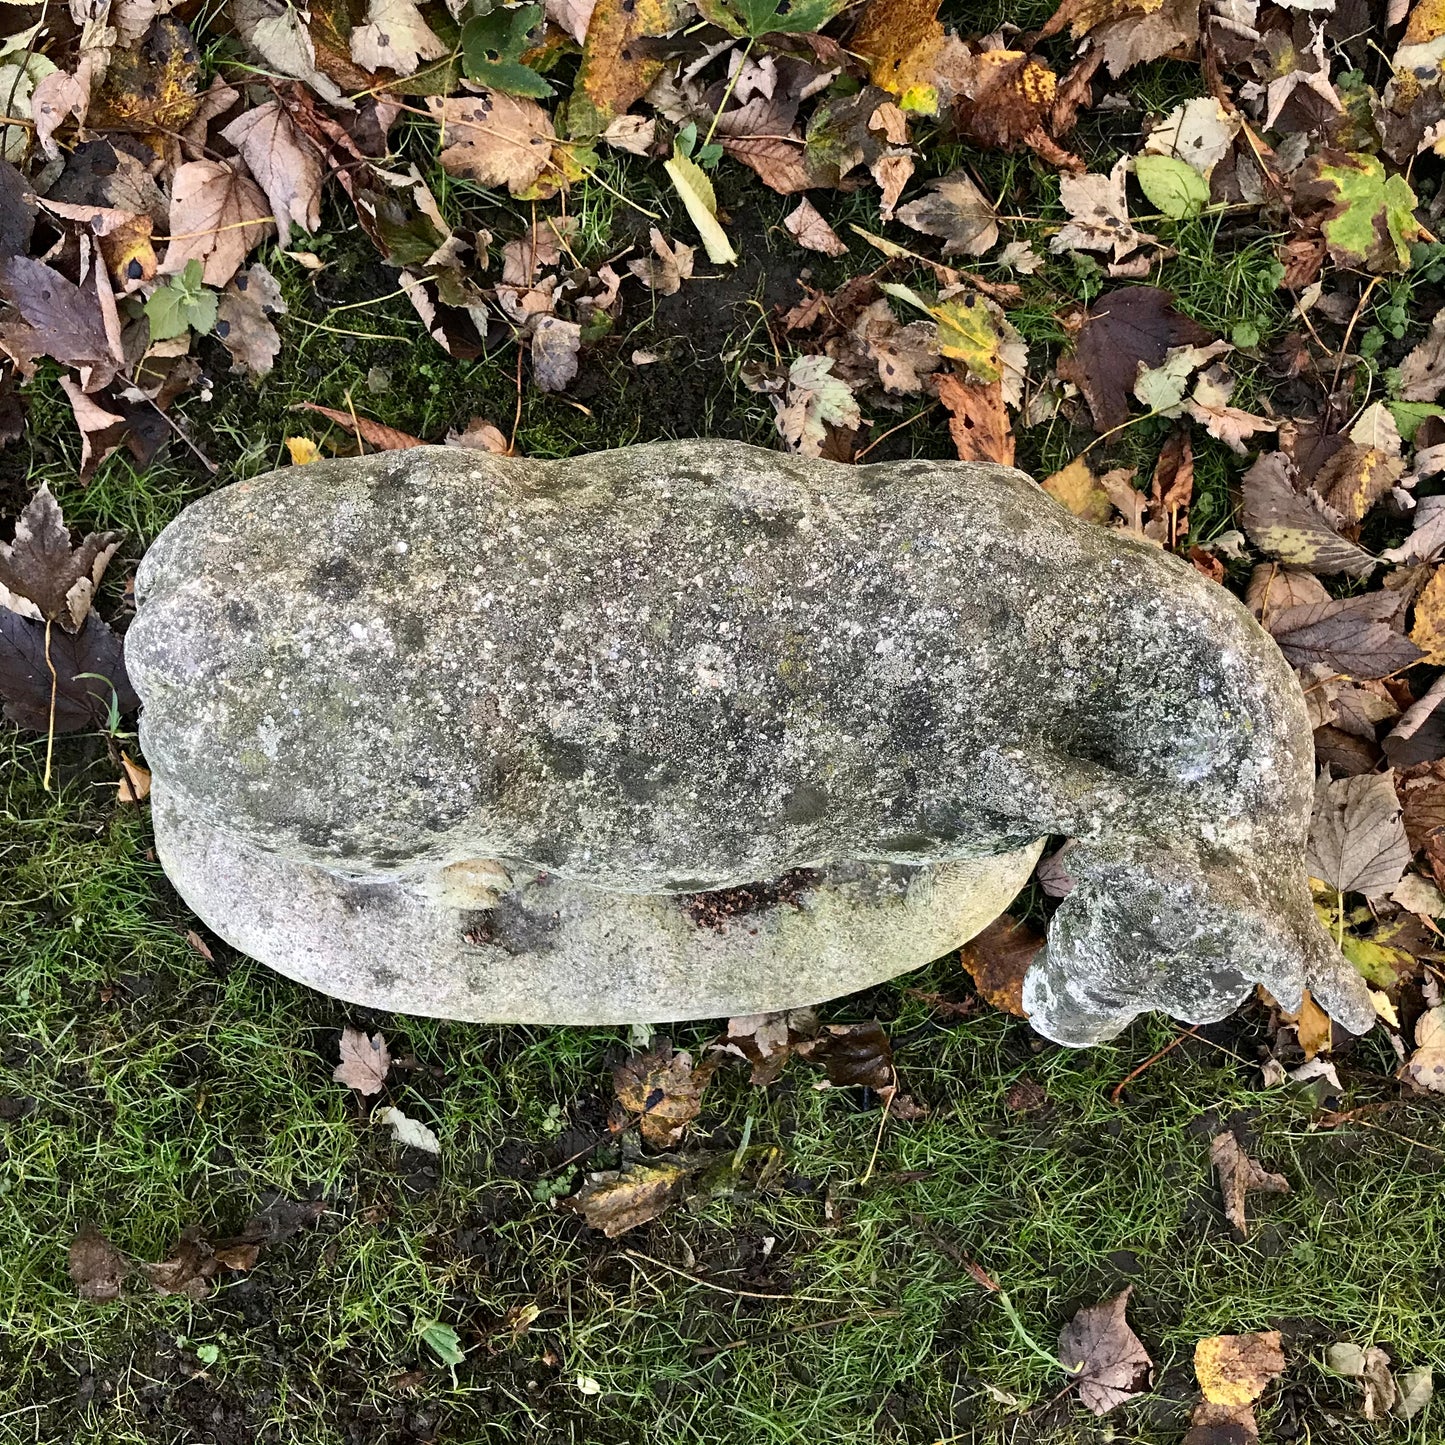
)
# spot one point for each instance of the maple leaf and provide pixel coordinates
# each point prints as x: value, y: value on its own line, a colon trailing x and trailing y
x: 284, y: 162
x: 808, y: 227
x: 617, y: 1200
x: 1078, y: 489
x: 664, y: 1089
x: 494, y: 139
x: 1236, y: 1369
x: 815, y: 399
x: 1109, y: 1360
x: 1122, y: 329
x: 243, y: 320
x: 956, y: 210
x: 668, y: 267
x: 62, y: 320
x: 41, y: 565
x: 978, y: 420
x: 364, y: 1062
x: 89, y: 674
x: 395, y: 37
x: 1357, y: 839
x: 1367, y: 215
x: 997, y: 959
x: 217, y: 215
x: 1238, y: 1174
x: 910, y: 54
x: 1425, y: 1068
x: 1008, y: 103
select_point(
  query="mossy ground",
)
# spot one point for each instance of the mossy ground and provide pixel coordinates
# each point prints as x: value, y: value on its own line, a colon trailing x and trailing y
x: 147, y: 1088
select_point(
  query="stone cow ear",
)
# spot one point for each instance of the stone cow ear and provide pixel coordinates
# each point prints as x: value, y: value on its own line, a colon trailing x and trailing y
x: 1167, y: 930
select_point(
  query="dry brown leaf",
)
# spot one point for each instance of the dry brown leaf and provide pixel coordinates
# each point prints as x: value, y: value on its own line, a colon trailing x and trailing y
x: 1425, y: 1068
x: 1312, y: 1025
x: 365, y: 1062
x: 664, y: 1089
x: 395, y: 37
x: 668, y: 267
x: 134, y: 786
x: 978, y: 419
x: 1290, y: 525
x: 97, y: 1267
x: 1078, y: 489
x: 1427, y: 631
x: 284, y: 162
x: 1109, y: 1359
x: 1350, y: 636
x: 1010, y: 104
x: 42, y: 566
x: 1221, y: 1425
x: 1371, y: 1367
x: 383, y: 438
x: 494, y: 139
x: 217, y: 215
x: 1273, y: 589
x: 997, y: 960
x: 956, y: 210
x: 1238, y: 1175
x: 617, y: 1200
x: 767, y: 1041
x: 1357, y: 840
x: 480, y: 435
x: 808, y: 227
x: 1236, y: 1369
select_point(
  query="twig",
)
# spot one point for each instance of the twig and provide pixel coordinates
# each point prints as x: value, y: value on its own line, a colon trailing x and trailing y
x: 1149, y: 1062
x: 54, y: 688
x: 725, y: 1289
x: 878, y: 441
x: 517, y: 415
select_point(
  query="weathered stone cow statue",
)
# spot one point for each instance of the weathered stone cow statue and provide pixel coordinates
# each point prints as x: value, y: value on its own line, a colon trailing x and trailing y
x: 697, y: 729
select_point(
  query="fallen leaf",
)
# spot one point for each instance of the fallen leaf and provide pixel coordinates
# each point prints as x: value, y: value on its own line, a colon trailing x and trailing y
x: 616, y: 71
x: 667, y: 268
x: 1286, y: 523
x: 97, y: 1267
x: 767, y: 1041
x: 383, y: 438
x: 395, y: 37
x: 664, y: 1089
x: 815, y: 399
x: 134, y: 786
x: 276, y: 32
x: 1415, y: 1390
x: 243, y: 320
x: 1211, y: 1424
x: 1200, y: 132
x: 494, y: 139
x: 807, y: 226
x: 997, y: 960
x: 1357, y: 840
x: 1369, y: 215
x: 303, y: 451
x: 1425, y: 1068
x: 1008, y: 103
x: 692, y: 184
x: 284, y: 162
x: 855, y: 1056
x: 1209, y: 405
x: 1122, y: 329
x: 365, y: 1062
x: 617, y: 1200
x: 1273, y: 589
x: 1348, y: 636
x: 41, y: 565
x: 408, y: 1132
x: 635, y: 134
x: 978, y: 419
x: 1236, y: 1369
x: 956, y: 210
x: 61, y: 320
x: 555, y: 344
x: 908, y: 52
x: 480, y: 435
x: 1371, y: 1367
x: 1428, y: 629
x: 89, y: 674
x: 187, y: 1270
x: 1238, y: 1175
x: 217, y: 215
x: 1422, y: 372
x: 1110, y: 1362
x: 1078, y: 489
x: 1172, y: 186
x: 1099, y: 217
x: 1312, y: 1025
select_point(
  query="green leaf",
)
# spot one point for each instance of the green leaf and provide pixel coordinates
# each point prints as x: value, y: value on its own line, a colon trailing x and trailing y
x: 492, y: 46
x: 1172, y: 185
x: 756, y: 18
x: 692, y: 184
x: 1373, y: 223
x: 968, y: 333
x: 182, y: 304
x: 444, y: 1342
x: 1409, y: 414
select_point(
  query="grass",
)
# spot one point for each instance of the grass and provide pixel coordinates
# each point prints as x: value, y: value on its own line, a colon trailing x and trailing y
x: 148, y: 1089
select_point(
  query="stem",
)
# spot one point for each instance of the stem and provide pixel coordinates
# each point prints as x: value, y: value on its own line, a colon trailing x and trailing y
x: 728, y: 93
x: 54, y: 688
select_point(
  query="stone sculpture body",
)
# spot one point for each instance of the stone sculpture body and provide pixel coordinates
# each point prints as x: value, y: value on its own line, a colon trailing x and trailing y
x: 696, y: 728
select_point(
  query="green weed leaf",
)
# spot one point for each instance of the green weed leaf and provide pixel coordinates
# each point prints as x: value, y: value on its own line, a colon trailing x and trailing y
x: 756, y: 18
x: 182, y: 303
x: 444, y: 1342
x: 1172, y: 185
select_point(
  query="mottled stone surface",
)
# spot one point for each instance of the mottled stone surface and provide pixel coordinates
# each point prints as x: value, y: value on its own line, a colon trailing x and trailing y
x: 545, y: 950
x: 689, y: 666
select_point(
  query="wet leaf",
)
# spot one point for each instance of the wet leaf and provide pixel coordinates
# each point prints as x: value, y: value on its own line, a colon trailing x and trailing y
x: 1111, y: 1362
x: 1357, y: 839
x: 41, y: 565
x: 1009, y: 104
x: 767, y: 1041
x: 365, y: 1062
x: 855, y: 1056
x: 64, y: 321
x: 89, y: 674
x: 1237, y: 1369
x: 1121, y: 330
x: 997, y: 960
x: 664, y: 1090
x: 978, y: 419
x: 617, y: 1200
x: 1238, y: 1176
x: 97, y: 1267
x: 1370, y: 214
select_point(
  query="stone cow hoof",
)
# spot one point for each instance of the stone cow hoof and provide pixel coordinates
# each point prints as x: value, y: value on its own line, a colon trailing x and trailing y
x: 677, y: 669
x: 534, y: 948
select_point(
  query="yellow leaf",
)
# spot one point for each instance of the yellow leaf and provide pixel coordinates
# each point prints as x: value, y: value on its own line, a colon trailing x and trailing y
x: 1235, y: 1369
x: 302, y: 450
x: 1312, y: 1024
x: 967, y: 333
x: 1428, y: 633
x: 1427, y: 23
x: 1079, y: 490
x: 612, y: 77
x: 692, y: 184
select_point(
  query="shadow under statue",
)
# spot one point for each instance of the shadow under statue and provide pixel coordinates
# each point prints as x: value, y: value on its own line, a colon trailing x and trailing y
x: 697, y: 729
